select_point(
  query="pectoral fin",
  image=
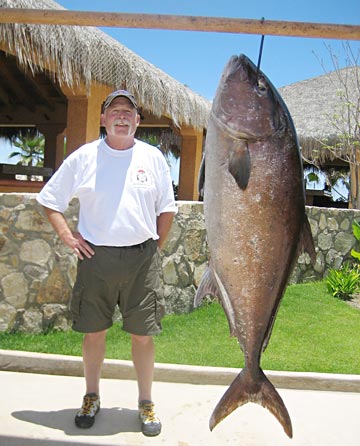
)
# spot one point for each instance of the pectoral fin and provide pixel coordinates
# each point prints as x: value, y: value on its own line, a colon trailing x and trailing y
x: 211, y: 284
x: 207, y: 286
x: 307, y: 242
x: 201, y: 179
x: 240, y: 163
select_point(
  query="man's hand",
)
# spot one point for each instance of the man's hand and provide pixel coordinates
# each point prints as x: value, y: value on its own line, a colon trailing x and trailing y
x: 76, y: 242
x: 73, y: 240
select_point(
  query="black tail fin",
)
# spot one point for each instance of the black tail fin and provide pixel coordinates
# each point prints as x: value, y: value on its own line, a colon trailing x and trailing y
x: 257, y: 389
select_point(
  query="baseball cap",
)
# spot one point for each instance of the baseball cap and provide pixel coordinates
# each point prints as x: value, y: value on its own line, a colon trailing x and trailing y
x: 117, y: 94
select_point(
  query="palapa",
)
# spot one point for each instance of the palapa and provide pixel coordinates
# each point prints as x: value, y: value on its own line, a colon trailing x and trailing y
x: 325, y: 109
x: 76, y: 55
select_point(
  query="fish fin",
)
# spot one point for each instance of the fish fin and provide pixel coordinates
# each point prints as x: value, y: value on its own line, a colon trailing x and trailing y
x: 307, y: 241
x: 247, y: 387
x: 211, y: 284
x: 201, y: 179
x: 239, y: 163
x: 227, y: 305
x: 207, y: 286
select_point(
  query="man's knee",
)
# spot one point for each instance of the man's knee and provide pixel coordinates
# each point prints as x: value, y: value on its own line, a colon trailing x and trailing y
x: 95, y: 337
x: 141, y: 340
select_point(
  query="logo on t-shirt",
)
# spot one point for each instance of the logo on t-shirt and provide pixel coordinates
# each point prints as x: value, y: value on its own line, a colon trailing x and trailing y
x: 141, y: 177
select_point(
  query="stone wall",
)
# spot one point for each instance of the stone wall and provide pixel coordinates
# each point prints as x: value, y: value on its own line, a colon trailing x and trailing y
x: 37, y: 271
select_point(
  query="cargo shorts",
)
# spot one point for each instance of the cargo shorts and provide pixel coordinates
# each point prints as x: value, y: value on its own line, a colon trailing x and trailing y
x: 129, y: 277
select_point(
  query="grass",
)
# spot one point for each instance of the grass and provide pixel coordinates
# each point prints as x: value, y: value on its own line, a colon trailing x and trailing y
x: 313, y: 332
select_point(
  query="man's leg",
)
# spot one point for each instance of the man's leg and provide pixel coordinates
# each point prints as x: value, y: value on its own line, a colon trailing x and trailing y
x: 143, y: 355
x: 93, y: 358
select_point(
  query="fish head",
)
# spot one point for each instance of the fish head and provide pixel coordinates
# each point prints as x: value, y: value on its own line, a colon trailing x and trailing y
x: 246, y: 103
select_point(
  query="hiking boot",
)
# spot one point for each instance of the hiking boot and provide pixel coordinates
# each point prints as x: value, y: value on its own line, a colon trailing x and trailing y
x: 85, y: 418
x: 150, y: 423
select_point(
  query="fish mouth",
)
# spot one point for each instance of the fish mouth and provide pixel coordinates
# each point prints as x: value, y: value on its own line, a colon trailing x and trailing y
x: 242, y: 68
x: 235, y: 133
x: 246, y: 104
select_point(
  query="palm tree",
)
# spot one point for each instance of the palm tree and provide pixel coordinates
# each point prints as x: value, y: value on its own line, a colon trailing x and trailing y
x: 31, y: 149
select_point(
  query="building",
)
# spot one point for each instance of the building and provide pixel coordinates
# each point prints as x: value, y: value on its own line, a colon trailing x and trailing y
x: 326, y: 113
x: 53, y: 78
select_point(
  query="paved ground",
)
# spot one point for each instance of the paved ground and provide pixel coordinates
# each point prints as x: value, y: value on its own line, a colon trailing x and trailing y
x: 38, y: 410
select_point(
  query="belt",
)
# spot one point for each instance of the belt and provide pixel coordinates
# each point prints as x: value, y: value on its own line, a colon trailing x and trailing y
x: 139, y: 245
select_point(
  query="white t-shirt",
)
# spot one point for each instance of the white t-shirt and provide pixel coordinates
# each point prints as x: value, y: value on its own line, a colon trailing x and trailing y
x: 121, y: 192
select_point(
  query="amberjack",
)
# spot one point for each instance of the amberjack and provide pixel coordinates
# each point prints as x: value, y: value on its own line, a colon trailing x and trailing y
x: 254, y: 206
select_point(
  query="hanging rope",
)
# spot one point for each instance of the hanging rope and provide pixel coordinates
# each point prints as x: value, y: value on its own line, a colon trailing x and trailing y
x: 260, y: 53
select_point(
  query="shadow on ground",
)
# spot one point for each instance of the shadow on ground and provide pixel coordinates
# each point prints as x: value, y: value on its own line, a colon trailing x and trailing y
x: 109, y: 421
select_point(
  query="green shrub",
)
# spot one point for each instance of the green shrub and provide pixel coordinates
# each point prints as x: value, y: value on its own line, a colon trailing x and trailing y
x: 356, y: 232
x: 344, y: 282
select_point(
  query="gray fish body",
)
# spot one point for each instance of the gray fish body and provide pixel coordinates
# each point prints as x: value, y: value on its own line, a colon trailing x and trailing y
x: 254, y: 207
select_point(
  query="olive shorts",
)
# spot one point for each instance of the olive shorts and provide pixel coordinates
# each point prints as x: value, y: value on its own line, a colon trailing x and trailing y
x: 126, y: 276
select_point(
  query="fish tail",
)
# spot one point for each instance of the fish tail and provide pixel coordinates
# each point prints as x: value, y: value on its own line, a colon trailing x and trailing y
x: 256, y: 389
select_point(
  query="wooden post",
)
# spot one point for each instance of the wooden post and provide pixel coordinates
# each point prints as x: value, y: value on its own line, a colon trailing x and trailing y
x: 190, y: 160
x: 354, y: 196
x: 83, y: 115
x: 54, y: 144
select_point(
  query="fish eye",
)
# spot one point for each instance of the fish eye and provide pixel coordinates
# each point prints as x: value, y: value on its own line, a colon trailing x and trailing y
x: 261, y: 87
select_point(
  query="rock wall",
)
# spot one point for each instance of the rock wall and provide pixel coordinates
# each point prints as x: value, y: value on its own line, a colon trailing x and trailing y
x: 37, y: 271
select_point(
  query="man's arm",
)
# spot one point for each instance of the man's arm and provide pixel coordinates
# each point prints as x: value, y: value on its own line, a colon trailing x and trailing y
x: 164, y: 222
x: 73, y: 240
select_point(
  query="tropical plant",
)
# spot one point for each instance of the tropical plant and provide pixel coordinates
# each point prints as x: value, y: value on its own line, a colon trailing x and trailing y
x: 31, y: 150
x: 356, y: 232
x: 344, y: 282
x: 336, y: 180
x: 311, y: 175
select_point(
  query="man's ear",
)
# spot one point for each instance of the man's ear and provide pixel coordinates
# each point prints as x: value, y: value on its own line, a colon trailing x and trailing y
x: 102, y: 119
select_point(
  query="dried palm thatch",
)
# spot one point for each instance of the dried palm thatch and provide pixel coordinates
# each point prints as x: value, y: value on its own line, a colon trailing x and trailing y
x: 86, y: 54
x: 325, y: 111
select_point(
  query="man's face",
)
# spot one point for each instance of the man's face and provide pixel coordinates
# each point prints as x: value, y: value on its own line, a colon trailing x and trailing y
x: 120, y: 118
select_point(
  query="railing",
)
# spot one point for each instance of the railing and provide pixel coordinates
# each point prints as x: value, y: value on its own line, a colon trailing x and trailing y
x: 10, y: 181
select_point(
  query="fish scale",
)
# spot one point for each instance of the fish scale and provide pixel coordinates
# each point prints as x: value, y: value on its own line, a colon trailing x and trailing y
x: 254, y: 207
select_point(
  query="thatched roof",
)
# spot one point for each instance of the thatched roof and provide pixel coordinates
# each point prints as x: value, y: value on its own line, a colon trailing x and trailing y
x: 86, y: 54
x: 320, y: 111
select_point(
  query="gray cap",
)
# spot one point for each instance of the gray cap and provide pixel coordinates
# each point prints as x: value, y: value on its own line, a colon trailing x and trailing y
x: 117, y: 94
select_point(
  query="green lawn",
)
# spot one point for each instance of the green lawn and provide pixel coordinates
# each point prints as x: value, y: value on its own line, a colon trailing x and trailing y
x: 313, y: 332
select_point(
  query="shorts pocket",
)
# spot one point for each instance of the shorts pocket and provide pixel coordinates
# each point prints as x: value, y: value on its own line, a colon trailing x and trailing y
x: 75, y: 303
x: 159, y: 306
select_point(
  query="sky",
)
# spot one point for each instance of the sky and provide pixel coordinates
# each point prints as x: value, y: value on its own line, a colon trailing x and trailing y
x: 197, y: 59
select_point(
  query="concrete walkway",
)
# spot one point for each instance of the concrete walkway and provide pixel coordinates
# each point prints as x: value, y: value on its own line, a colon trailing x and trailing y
x: 38, y: 410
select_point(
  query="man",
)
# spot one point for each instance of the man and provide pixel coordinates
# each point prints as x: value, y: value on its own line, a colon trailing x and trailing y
x: 126, y: 211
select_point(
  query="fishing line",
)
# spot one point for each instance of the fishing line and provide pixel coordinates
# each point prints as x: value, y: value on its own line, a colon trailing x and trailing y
x: 260, y: 54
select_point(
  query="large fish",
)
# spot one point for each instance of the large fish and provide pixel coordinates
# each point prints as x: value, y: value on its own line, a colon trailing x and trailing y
x: 254, y: 205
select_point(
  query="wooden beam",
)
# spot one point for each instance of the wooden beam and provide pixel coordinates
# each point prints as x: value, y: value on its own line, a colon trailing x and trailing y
x: 180, y: 23
x: 26, y: 170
